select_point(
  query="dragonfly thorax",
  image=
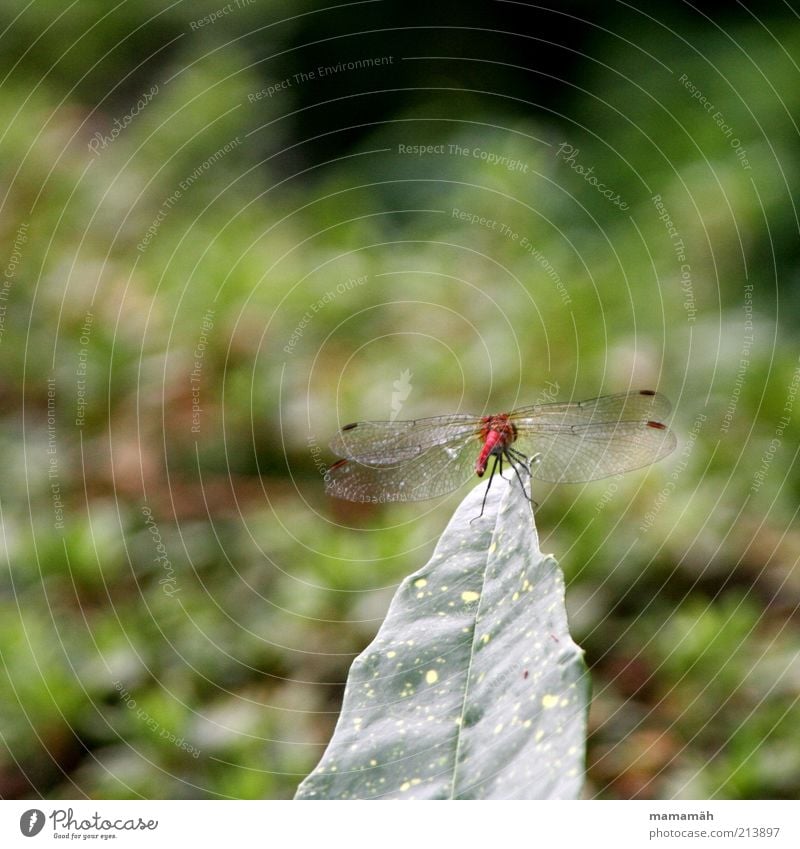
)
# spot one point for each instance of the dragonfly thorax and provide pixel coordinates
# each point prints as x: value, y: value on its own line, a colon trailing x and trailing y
x: 496, y: 433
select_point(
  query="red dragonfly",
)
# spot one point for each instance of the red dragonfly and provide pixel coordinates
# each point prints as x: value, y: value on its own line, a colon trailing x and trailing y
x: 569, y: 442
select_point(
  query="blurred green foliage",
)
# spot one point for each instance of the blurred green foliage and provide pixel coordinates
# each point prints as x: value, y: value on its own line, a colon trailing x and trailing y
x: 237, y: 649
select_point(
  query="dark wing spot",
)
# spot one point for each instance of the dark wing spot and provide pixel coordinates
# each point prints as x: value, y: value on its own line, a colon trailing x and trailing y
x: 338, y: 465
x: 647, y: 392
x: 657, y: 425
x: 525, y: 674
x: 350, y: 426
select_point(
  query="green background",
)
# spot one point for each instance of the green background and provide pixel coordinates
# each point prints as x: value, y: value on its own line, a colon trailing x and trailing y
x: 217, y: 671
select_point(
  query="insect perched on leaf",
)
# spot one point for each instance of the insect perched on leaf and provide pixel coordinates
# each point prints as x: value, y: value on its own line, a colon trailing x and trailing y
x: 568, y: 442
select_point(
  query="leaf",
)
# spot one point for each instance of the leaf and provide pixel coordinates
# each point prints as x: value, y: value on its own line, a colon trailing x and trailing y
x: 473, y: 687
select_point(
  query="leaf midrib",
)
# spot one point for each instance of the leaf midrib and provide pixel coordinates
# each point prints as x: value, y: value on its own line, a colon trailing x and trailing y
x: 489, y: 552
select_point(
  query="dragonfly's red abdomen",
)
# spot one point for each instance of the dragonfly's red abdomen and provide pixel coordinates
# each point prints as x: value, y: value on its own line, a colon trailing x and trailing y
x: 497, y: 433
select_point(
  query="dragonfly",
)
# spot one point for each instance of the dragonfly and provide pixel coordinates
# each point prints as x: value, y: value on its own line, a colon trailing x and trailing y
x: 562, y: 442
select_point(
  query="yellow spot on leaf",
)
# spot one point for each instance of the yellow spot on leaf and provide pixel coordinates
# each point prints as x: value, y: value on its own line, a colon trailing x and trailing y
x: 391, y: 654
x: 470, y: 595
x: 515, y: 597
x: 539, y: 734
x: 549, y: 701
x: 431, y: 676
x: 373, y: 762
x: 485, y: 638
x: 420, y: 582
x: 498, y: 728
x: 406, y: 785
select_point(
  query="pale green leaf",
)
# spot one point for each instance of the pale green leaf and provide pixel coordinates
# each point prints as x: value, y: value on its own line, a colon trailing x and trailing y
x: 473, y: 687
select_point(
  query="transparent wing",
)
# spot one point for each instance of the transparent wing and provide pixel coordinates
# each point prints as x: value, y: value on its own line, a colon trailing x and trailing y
x: 386, y: 443
x: 639, y: 405
x: 426, y: 458
x: 574, y: 453
x: 427, y: 474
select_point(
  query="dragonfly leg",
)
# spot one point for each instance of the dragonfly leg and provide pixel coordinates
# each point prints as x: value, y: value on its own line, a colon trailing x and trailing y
x: 515, y: 457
